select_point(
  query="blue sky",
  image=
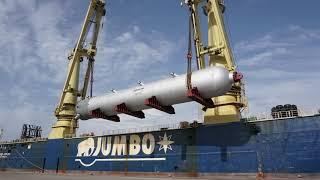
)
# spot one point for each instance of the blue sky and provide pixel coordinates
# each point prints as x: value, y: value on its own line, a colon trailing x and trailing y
x: 276, y: 45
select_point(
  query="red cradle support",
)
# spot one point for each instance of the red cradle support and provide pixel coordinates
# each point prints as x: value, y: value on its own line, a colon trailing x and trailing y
x: 195, y: 95
x: 154, y: 103
x: 97, y: 113
x: 122, y: 108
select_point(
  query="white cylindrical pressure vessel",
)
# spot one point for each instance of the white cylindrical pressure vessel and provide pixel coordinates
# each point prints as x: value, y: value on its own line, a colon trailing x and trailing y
x: 210, y: 82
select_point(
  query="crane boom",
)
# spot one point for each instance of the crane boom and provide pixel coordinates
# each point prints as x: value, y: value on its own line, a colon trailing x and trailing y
x: 65, y: 111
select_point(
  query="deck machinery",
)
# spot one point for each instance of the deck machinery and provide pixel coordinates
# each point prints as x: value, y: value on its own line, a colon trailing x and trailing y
x: 225, y: 108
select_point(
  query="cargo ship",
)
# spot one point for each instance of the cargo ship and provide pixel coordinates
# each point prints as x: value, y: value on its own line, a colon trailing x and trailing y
x: 284, y: 145
x: 224, y: 141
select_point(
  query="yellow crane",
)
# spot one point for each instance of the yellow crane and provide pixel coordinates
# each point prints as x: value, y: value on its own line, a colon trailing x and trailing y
x: 65, y: 112
x: 227, y: 107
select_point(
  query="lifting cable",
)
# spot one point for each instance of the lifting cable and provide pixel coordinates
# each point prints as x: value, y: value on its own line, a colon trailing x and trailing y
x: 189, y: 56
x: 91, y: 77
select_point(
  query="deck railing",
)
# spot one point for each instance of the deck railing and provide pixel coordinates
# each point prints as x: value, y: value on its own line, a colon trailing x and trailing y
x: 302, y: 112
x: 27, y: 140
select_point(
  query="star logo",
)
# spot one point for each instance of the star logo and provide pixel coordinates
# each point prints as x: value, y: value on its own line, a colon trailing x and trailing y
x: 165, y: 143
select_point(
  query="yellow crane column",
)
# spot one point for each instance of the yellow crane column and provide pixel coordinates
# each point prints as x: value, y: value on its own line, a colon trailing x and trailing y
x: 66, y: 123
x: 219, y: 51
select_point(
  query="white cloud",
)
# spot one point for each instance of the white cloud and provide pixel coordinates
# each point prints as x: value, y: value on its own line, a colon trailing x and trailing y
x: 33, y: 41
x: 36, y: 40
x: 136, y: 29
x: 124, y: 37
x: 130, y: 55
x: 281, y: 68
x: 304, y: 33
x: 262, y: 57
x: 265, y: 42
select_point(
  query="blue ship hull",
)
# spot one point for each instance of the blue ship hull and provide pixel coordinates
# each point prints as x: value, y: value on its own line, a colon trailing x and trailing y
x: 272, y: 146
